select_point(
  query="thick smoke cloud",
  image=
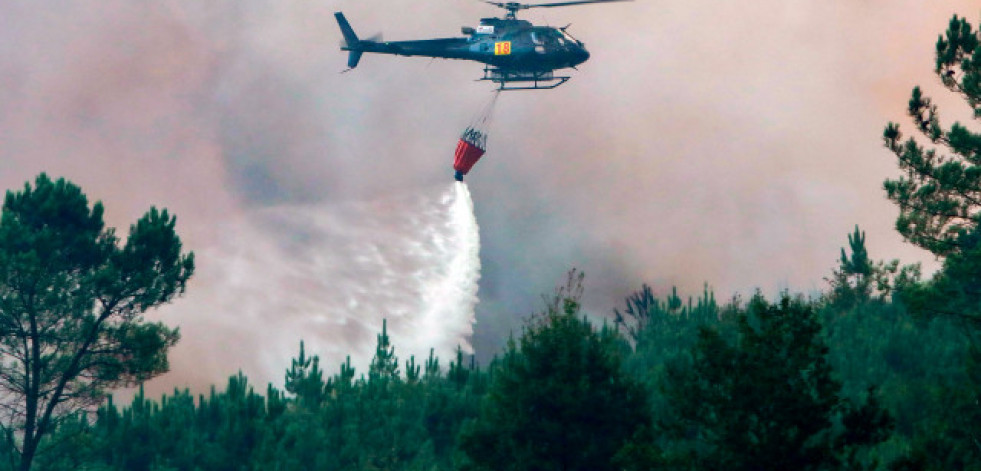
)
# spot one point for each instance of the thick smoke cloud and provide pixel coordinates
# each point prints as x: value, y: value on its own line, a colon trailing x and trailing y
x: 728, y: 143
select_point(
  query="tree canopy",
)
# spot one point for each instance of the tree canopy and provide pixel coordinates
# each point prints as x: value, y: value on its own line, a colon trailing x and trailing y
x: 71, y: 305
x: 939, y: 193
x: 558, y: 399
x: 767, y: 399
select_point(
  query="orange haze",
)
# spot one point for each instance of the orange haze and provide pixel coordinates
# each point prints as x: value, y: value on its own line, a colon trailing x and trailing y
x: 733, y: 143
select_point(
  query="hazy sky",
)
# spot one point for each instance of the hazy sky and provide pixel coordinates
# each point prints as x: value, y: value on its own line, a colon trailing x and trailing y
x: 728, y: 143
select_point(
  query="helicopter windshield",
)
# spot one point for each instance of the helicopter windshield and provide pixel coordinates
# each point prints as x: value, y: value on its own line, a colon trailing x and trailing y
x: 569, y: 37
x: 548, y: 36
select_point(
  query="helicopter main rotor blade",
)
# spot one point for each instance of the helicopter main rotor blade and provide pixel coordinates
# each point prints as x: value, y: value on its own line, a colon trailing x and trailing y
x: 576, y: 2
x: 511, y: 5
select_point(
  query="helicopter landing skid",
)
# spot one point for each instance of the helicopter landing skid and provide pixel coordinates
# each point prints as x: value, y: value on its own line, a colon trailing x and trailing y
x: 539, y: 80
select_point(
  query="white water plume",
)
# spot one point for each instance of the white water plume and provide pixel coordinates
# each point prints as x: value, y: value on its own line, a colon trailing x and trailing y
x: 329, y: 275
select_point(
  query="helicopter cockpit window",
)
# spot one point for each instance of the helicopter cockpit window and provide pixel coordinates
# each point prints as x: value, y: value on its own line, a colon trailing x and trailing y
x: 535, y: 38
x: 553, y: 37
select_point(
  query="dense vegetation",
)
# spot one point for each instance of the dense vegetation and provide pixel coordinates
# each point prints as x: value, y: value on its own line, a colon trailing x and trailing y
x: 793, y: 384
x: 883, y: 371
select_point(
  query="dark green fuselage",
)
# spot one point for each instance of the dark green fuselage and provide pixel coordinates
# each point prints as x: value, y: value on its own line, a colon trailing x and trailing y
x: 507, y: 44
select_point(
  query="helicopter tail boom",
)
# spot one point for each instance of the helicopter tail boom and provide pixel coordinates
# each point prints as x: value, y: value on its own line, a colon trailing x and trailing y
x: 352, y: 43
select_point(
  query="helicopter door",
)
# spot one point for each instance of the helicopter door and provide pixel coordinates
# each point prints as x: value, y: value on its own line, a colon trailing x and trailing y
x: 538, y: 42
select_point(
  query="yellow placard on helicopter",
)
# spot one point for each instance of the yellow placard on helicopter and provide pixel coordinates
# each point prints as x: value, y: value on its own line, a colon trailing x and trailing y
x: 502, y: 48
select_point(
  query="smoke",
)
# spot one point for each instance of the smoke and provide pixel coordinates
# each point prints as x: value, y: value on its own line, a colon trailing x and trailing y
x: 329, y: 274
x: 730, y: 143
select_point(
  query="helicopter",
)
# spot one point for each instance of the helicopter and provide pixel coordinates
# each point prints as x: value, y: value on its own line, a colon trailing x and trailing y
x: 516, y: 54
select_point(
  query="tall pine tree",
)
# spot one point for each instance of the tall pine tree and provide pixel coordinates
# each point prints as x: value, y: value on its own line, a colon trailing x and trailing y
x: 72, y: 299
x: 939, y: 195
x: 558, y: 399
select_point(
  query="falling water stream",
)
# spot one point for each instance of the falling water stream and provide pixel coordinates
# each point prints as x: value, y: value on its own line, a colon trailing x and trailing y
x: 329, y: 275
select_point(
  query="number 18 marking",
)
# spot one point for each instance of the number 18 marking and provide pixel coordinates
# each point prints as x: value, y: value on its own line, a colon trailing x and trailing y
x: 502, y: 48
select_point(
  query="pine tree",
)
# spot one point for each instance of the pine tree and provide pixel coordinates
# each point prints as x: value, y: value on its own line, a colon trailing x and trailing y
x: 412, y: 370
x: 458, y: 373
x: 558, y: 399
x: 939, y: 196
x: 432, y: 366
x: 72, y: 300
x: 767, y: 400
x: 857, y: 280
x: 384, y: 365
x: 858, y: 263
x: 647, y: 314
x: 305, y: 380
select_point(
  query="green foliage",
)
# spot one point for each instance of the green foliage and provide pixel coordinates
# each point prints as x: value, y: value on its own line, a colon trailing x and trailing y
x: 341, y: 423
x: 305, y: 380
x: 767, y: 398
x: 946, y: 434
x: 858, y: 263
x: 939, y: 196
x: 218, y: 431
x: 883, y: 371
x: 955, y: 291
x: 796, y: 385
x: 385, y: 365
x: 646, y: 313
x: 940, y: 209
x: 852, y: 281
x: 858, y: 280
x: 558, y: 399
x: 906, y: 358
x: 71, y: 301
x: 664, y: 330
x: 881, y: 357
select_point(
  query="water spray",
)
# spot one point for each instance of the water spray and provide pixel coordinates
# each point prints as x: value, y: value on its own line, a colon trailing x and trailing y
x: 329, y: 275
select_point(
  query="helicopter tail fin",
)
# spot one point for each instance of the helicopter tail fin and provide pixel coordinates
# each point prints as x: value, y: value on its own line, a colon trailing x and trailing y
x: 353, y: 58
x: 350, y: 41
x: 349, y: 37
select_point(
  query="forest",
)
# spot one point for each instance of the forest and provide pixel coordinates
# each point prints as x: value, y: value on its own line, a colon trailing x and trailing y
x: 852, y: 380
x: 880, y: 371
